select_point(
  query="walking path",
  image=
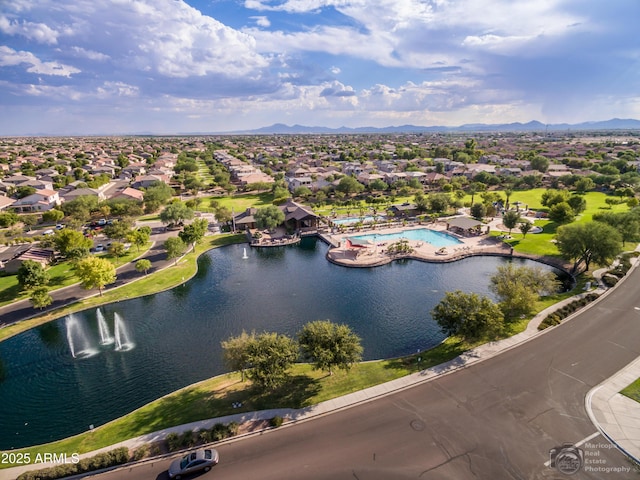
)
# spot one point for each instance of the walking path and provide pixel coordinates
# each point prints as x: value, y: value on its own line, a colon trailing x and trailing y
x: 615, y: 416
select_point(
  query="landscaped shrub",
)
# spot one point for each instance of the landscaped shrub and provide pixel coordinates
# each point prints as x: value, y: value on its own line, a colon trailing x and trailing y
x: 276, y: 421
x: 610, y: 280
x: 111, y: 458
x: 556, y: 317
x: 140, y: 453
x: 218, y: 432
x: 173, y: 441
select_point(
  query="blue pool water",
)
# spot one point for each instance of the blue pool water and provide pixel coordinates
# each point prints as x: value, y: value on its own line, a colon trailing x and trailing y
x: 437, y: 239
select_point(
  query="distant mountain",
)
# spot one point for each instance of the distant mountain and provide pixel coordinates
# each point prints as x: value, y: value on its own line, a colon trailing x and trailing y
x: 613, y: 124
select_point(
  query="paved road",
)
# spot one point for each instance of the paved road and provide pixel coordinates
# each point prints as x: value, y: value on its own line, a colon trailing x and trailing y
x: 497, y: 419
x: 126, y: 273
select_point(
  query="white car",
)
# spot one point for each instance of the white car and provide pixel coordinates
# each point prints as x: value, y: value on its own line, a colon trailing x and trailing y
x: 196, y: 461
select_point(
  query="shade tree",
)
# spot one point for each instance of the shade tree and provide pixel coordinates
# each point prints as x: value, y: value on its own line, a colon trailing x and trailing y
x: 468, y: 315
x: 329, y: 345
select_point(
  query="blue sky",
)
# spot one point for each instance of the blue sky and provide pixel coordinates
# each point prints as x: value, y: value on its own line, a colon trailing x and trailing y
x: 174, y: 66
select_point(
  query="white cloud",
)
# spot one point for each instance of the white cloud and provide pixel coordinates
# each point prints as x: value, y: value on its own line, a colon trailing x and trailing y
x: 261, y: 21
x: 90, y: 54
x: 10, y: 57
x: 38, y: 32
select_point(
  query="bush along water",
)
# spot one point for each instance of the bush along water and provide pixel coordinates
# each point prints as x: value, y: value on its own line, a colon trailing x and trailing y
x: 556, y: 317
x: 112, y: 458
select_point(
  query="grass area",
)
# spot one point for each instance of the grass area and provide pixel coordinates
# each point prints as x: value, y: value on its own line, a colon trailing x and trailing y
x: 146, y: 285
x: 214, y: 397
x: 632, y: 391
x: 239, y: 203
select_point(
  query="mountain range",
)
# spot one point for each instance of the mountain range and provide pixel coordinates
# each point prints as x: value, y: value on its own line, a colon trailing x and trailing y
x: 533, y: 126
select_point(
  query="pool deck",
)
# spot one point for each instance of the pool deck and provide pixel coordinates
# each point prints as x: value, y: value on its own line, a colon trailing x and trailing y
x: 376, y: 255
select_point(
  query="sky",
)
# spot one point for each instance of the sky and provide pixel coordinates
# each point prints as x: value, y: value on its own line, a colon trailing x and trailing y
x: 82, y: 67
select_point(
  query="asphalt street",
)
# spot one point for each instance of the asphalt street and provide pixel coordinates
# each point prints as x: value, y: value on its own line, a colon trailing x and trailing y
x: 499, y: 419
x: 65, y: 296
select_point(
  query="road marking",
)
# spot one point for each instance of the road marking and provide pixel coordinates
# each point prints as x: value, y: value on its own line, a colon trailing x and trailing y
x: 636, y: 308
x: 577, y: 444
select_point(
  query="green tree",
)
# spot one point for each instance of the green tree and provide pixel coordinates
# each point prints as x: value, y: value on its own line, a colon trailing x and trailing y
x: 95, y: 272
x: 540, y: 163
x: 439, y: 202
x: 143, y: 265
x: 421, y: 201
x: 29, y: 221
x: 525, y: 227
x: 52, y: 216
x: 510, y: 219
x: 175, y: 214
x: 117, y: 250
x: 8, y: 219
x: 329, y: 345
x: 551, y: 197
x: 80, y: 208
x: 584, y: 185
x: 270, y: 356
x: 194, y: 232
x: 235, y: 352
x: 40, y: 297
x: 156, y: 195
x: 478, y: 211
x: 72, y: 243
x: 24, y: 191
x: 140, y: 236
x: 468, y: 315
x: 32, y: 274
x: 119, y: 229
x: 626, y: 223
x: 577, y: 203
x: 349, y: 186
x: 584, y: 243
x: 518, y: 287
x: 268, y: 217
x: 175, y: 248
x: 561, y: 213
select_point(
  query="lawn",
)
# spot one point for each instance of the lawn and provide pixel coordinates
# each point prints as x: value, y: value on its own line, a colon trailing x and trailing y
x: 214, y: 397
x: 632, y: 391
x: 239, y: 203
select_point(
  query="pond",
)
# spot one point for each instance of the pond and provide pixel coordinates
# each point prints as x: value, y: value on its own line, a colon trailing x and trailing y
x: 78, y: 371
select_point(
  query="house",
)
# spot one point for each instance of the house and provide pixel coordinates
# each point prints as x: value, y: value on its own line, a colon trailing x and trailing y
x: 145, y: 181
x: 81, y: 192
x: 129, y: 194
x: 299, y: 217
x: 5, y: 202
x: 40, y: 255
x: 41, y: 201
x: 296, y: 217
x: 403, y: 210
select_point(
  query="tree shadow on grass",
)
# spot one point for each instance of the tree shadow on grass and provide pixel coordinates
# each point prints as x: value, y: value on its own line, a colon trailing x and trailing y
x: 296, y: 392
x: 429, y: 358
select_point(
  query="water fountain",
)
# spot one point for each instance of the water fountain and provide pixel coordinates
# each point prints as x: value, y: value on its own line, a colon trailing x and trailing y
x: 105, y: 337
x: 77, y: 338
x: 122, y: 339
x: 244, y: 254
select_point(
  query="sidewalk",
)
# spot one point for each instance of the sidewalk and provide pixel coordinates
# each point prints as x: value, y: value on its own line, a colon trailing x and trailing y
x: 615, y: 416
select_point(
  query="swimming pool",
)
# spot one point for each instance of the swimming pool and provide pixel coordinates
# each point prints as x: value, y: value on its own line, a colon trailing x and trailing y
x: 437, y: 239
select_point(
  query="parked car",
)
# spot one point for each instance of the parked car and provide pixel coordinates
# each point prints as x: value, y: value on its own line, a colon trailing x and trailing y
x: 199, y: 460
x: 99, y: 248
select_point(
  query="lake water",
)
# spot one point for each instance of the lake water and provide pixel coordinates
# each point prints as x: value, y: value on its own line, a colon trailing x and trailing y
x: 48, y: 394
